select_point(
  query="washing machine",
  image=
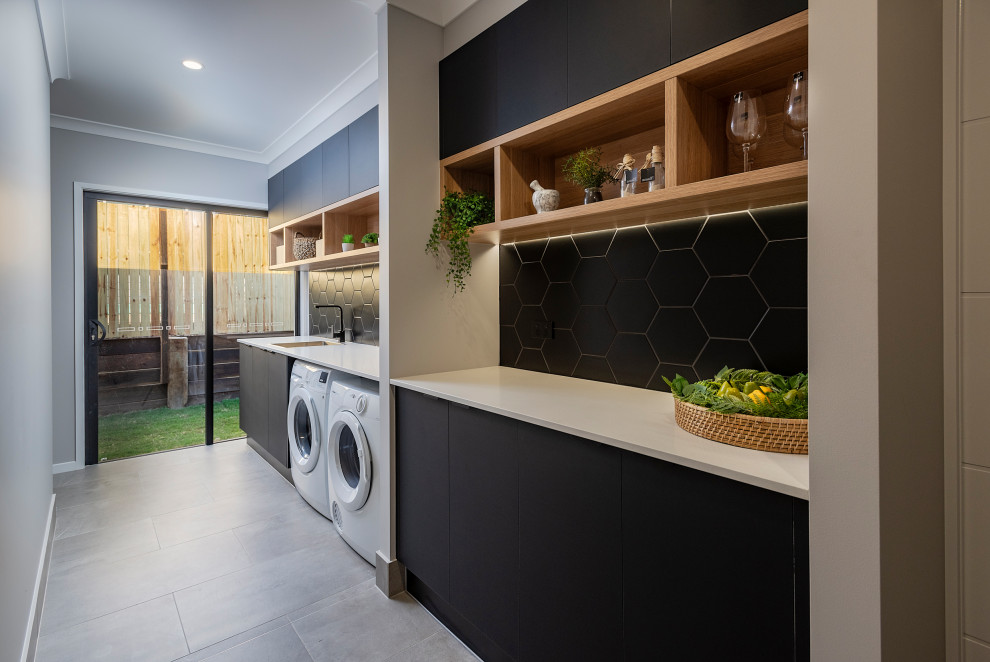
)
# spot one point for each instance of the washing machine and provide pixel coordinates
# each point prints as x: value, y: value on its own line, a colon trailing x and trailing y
x: 353, y: 450
x: 309, y: 395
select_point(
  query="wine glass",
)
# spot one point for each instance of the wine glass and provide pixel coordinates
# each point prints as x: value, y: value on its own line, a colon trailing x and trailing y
x: 746, y: 123
x: 796, y: 112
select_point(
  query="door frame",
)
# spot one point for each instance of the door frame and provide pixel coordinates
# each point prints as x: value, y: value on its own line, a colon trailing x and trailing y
x: 79, y: 308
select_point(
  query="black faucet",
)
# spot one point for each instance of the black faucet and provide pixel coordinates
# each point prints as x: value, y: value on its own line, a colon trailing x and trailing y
x: 338, y: 336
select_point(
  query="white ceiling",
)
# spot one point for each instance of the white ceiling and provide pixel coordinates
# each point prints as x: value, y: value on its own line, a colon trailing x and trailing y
x: 270, y: 66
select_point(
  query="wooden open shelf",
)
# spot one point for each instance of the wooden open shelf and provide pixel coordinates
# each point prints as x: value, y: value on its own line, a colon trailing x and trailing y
x: 356, y: 215
x: 683, y: 108
x: 759, y: 188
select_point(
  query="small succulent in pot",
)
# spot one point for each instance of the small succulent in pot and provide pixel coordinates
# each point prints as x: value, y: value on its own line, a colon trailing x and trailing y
x: 453, y: 224
x: 370, y: 239
x: 347, y: 242
x: 585, y: 169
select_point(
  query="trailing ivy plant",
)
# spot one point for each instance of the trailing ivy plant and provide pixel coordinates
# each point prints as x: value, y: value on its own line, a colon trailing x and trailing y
x: 454, y: 223
x: 585, y: 169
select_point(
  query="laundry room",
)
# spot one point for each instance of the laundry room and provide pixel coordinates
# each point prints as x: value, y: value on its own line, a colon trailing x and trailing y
x: 452, y: 330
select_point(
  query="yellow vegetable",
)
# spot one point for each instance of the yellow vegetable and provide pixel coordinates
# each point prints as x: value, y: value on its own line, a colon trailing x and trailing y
x: 758, y: 397
x: 766, y: 389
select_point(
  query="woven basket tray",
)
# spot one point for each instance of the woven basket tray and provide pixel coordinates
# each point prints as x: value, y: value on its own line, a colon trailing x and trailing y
x: 778, y: 435
x: 303, y: 247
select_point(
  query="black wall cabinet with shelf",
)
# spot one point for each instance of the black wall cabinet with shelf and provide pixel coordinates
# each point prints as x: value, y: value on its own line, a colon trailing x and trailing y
x: 531, y: 544
x: 548, y: 55
x: 343, y: 165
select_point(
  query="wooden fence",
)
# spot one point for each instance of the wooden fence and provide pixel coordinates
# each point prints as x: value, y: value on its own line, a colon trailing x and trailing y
x: 151, y: 273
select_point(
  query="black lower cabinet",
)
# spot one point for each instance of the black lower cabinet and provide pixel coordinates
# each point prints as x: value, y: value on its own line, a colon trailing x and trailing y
x: 570, y: 536
x: 707, y: 565
x: 534, y: 545
x: 484, y: 523
x: 264, y: 399
x: 279, y: 368
x: 423, y: 489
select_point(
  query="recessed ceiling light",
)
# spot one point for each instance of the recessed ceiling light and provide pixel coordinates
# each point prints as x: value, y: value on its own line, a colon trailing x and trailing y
x: 192, y: 64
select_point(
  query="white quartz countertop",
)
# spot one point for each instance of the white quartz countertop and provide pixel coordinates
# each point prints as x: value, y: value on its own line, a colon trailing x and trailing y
x: 354, y: 358
x: 637, y: 420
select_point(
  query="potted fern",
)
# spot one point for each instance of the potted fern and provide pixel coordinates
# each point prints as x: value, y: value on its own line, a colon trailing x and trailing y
x: 459, y: 213
x: 585, y: 169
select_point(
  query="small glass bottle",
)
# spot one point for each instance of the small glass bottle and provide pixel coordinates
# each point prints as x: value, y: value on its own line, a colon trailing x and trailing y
x: 653, y: 174
x: 627, y: 177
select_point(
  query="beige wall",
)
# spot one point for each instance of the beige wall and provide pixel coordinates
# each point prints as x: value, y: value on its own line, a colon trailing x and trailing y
x: 424, y: 327
x: 875, y: 330
x: 969, y: 224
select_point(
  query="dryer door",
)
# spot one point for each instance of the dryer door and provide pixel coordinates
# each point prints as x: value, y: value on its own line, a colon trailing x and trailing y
x: 304, y: 431
x: 350, y: 464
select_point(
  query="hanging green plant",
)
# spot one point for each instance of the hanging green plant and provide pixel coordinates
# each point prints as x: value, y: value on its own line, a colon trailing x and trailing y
x: 454, y: 223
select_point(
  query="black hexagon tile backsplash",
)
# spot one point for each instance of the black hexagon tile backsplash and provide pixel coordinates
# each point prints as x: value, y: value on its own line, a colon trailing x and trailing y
x: 356, y: 290
x: 683, y: 297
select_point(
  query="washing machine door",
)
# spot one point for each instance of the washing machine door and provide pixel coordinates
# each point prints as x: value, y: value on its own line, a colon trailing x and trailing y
x: 350, y: 461
x: 304, y: 431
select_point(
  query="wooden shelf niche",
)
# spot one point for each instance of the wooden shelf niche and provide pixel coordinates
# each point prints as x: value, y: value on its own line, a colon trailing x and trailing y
x: 683, y: 108
x: 356, y: 215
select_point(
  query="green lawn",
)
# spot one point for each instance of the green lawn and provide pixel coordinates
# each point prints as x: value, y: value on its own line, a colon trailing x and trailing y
x: 141, y: 432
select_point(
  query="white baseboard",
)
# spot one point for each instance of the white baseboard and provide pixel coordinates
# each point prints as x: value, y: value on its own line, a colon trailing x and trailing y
x: 40, y: 583
x: 62, y: 467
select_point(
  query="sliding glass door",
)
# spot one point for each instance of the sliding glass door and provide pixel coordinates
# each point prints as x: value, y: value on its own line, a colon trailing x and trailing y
x: 169, y: 291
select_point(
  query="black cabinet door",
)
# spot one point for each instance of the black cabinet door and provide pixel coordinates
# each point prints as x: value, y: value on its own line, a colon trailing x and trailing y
x: 362, y: 150
x: 484, y: 523
x: 275, y: 200
x: 468, y: 94
x: 335, y: 168
x: 257, y: 396
x: 612, y: 43
x: 247, y: 384
x: 277, y: 374
x: 707, y: 564
x: 531, y: 63
x: 422, y: 488
x: 303, y: 184
x: 570, y: 567
x: 697, y: 25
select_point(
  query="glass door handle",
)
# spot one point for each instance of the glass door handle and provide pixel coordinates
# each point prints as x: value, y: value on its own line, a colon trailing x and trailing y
x: 97, y: 332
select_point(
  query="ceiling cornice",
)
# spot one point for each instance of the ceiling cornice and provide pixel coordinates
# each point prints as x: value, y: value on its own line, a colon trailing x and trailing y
x: 151, y: 138
x: 51, y: 21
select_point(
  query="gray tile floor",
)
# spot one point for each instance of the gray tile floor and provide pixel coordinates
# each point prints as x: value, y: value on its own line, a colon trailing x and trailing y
x: 209, y: 554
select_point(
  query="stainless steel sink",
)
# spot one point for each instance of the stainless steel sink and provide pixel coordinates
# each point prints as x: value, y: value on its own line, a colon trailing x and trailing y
x: 306, y: 343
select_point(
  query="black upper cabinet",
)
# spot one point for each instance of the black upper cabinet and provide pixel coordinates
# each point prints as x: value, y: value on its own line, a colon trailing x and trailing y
x: 336, y: 177
x: 468, y: 94
x: 422, y: 486
x: 484, y: 522
x: 362, y: 149
x: 610, y: 44
x: 275, y: 216
x: 303, y: 184
x: 531, y: 63
x: 570, y: 540
x: 697, y: 25
x: 702, y: 552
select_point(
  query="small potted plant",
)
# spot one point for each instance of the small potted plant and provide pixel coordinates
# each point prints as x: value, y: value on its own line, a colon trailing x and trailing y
x: 454, y: 223
x: 370, y: 239
x: 585, y: 169
x: 347, y: 243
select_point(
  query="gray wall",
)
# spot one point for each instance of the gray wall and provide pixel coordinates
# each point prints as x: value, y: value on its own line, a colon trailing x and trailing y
x: 25, y: 299
x: 121, y: 165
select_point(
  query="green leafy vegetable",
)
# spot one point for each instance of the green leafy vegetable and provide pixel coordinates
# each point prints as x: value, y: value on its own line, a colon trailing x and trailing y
x: 746, y: 391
